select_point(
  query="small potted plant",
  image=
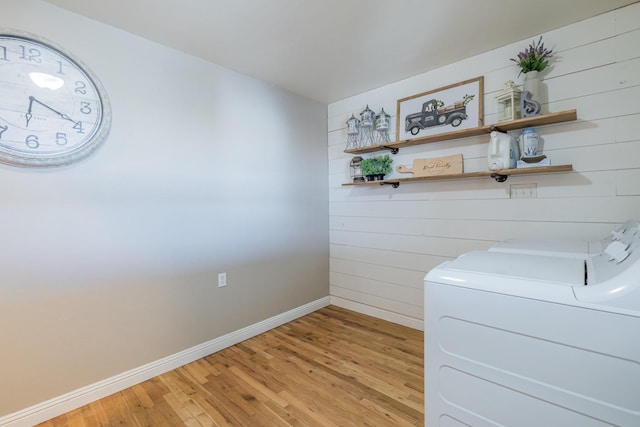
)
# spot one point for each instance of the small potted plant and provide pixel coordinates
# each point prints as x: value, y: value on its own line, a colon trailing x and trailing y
x: 368, y: 169
x: 383, y: 164
x: 375, y: 168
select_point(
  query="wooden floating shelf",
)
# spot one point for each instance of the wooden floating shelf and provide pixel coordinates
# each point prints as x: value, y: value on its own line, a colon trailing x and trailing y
x: 541, y: 120
x: 499, y: 175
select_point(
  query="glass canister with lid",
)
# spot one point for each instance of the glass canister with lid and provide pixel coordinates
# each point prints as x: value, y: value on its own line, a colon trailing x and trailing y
x: 529, y: 139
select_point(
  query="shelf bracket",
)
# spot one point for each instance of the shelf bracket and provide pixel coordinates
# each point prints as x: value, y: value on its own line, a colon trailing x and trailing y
x: 392, y: 184
x: 499, y: 177
x: 394, y: 150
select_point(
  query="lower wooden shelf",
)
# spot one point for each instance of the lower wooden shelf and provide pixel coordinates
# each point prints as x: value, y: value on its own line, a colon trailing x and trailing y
x: 499, y: 175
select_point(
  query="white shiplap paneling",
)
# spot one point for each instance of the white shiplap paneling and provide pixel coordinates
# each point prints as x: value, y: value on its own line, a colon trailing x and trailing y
x: 383, y: 240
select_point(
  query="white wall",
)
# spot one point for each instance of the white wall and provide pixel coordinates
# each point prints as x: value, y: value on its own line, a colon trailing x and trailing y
x: 384, y: 240
x: 112, y: 263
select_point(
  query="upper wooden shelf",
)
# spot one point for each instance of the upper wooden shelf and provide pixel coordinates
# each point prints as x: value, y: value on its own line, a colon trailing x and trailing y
x: 541, y: 120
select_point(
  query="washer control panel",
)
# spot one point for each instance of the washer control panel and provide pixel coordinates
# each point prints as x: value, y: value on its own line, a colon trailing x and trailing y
x: 619, y: 254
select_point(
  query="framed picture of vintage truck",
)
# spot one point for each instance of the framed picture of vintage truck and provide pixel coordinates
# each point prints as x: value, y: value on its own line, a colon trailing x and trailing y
x: 446, y: 109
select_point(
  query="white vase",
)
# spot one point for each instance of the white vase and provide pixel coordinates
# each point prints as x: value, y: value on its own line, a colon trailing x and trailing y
x: 533, y: 83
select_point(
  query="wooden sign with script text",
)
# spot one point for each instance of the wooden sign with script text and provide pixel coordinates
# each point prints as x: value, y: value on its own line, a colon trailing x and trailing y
x: 449, y: 165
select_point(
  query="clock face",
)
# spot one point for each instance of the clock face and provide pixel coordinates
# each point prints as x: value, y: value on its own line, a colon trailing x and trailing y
x: 53, y: 111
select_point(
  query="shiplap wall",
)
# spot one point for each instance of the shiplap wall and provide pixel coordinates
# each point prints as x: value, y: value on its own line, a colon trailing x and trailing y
x: 384, y: 240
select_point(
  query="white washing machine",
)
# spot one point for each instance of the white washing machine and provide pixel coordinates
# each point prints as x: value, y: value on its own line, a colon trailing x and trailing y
x: 526, y: 339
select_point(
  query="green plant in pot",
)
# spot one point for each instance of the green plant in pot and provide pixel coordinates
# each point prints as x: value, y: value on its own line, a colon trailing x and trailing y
x: 375, y: 168
x: 367, y: 167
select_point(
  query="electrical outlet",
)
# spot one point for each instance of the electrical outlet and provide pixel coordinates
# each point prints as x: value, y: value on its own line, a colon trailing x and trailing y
x: 222, y: 280
x: 523, y: 191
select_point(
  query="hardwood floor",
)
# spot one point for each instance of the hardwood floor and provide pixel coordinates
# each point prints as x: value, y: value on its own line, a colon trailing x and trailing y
x: 333, y: 367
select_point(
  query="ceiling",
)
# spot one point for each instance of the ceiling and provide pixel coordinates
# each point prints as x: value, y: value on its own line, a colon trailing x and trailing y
x: 332, y: 49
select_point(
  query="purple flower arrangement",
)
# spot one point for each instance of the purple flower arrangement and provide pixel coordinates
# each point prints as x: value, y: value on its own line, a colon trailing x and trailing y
x: 533, y: 58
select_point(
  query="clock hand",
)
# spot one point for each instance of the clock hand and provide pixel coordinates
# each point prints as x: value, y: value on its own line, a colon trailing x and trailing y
x: 31, y: 101
x: 28, y: 115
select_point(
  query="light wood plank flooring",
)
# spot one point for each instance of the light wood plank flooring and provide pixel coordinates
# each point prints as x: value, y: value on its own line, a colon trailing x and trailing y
x: 333, y: 367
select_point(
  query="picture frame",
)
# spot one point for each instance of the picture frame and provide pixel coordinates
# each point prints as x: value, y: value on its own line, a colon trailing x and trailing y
x: 450, y: 108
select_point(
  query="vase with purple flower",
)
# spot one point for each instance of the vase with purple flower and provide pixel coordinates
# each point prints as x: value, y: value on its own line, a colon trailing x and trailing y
x: 532, y: 61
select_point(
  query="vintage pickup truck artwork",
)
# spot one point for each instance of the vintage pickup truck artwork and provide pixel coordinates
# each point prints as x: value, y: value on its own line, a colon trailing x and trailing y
x: 457, y: 106
x: 434, y: 113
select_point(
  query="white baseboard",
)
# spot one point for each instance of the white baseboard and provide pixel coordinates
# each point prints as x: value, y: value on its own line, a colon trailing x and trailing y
x: 389, y: 316
x: 80, y: 397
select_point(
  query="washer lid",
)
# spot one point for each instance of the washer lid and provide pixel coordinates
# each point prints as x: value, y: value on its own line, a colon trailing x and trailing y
x: 564, y: 248
x: 550, y: 269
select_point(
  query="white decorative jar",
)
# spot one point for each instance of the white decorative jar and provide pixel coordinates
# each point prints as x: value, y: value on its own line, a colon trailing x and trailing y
x: 533, y: 83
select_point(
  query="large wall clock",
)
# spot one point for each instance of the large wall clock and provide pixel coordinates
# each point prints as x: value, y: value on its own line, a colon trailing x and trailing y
x: 53, y: 110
